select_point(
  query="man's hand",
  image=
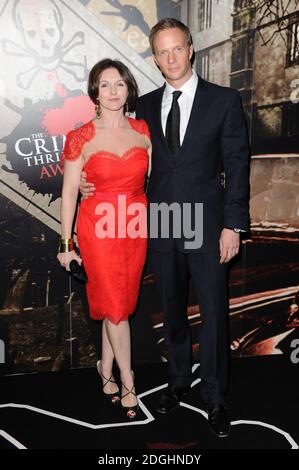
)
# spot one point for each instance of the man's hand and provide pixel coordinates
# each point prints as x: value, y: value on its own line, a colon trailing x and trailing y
x: 229, y: 245
x: 86, y: 189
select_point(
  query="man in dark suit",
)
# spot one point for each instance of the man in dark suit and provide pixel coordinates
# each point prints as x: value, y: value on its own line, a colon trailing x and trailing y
x: 199, y: 136
x: 200, y: 154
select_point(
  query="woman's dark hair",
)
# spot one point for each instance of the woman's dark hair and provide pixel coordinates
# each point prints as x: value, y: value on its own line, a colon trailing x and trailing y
x: 127, y: 76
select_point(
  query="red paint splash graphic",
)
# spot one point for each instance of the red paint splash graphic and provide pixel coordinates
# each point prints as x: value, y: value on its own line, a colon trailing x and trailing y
x: 75, y: 110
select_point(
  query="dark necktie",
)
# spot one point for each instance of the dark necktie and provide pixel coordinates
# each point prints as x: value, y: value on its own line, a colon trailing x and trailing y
x: 172, y: 132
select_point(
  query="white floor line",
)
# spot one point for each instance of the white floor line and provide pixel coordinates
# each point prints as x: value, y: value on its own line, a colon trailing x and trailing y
x: 152, y: 390
x: 149, y: 416
x: 11, y: 439
x: 288, y: 437
x: 285, y: 434
x: 80, y: 422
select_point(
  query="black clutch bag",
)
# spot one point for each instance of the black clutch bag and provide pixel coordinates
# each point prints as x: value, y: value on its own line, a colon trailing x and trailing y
x: 78, y: 271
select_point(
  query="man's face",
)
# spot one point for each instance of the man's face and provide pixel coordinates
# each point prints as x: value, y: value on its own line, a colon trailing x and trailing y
x: 172, y: 55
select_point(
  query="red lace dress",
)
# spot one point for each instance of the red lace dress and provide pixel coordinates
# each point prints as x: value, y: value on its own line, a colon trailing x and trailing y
x: 113, y: 262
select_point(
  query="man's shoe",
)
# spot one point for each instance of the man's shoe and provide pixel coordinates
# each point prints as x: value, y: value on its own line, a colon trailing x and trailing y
x: 170, y: 398
x: 218, y: 419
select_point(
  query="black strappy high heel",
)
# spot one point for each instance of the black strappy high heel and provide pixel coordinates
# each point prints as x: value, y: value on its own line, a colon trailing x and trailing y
x: 113, y: 398
x: 131, y: 411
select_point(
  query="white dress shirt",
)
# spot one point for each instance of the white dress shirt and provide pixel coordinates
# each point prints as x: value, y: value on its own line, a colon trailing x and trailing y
x: 185, y: 102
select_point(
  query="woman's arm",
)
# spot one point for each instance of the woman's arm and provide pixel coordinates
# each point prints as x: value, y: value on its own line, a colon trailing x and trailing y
x: 70, y: 189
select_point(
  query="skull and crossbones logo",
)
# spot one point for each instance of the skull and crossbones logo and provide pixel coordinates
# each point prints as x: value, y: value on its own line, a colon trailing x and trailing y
x: 43, y: 41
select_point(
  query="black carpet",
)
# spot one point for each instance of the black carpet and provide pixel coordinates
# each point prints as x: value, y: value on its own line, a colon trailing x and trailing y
x: 66, y: 410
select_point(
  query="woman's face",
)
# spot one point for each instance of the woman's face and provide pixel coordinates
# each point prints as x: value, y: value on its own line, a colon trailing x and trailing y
x: 113, y: 90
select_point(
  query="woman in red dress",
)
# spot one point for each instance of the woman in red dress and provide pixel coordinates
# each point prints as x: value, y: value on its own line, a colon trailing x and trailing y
x: 113, y: 150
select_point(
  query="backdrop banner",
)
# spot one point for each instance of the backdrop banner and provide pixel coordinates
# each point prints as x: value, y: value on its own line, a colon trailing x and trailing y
x: 47, y: 49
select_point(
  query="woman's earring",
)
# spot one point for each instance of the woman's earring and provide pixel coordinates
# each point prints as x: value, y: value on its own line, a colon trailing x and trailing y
x: 127, y: 107
x: 98, y: 109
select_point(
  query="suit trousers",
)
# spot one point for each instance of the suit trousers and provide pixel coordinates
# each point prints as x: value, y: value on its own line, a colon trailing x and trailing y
x: 172, y: 273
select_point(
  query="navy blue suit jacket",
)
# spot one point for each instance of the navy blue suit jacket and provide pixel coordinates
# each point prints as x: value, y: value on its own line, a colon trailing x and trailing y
x: 215, y: 143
